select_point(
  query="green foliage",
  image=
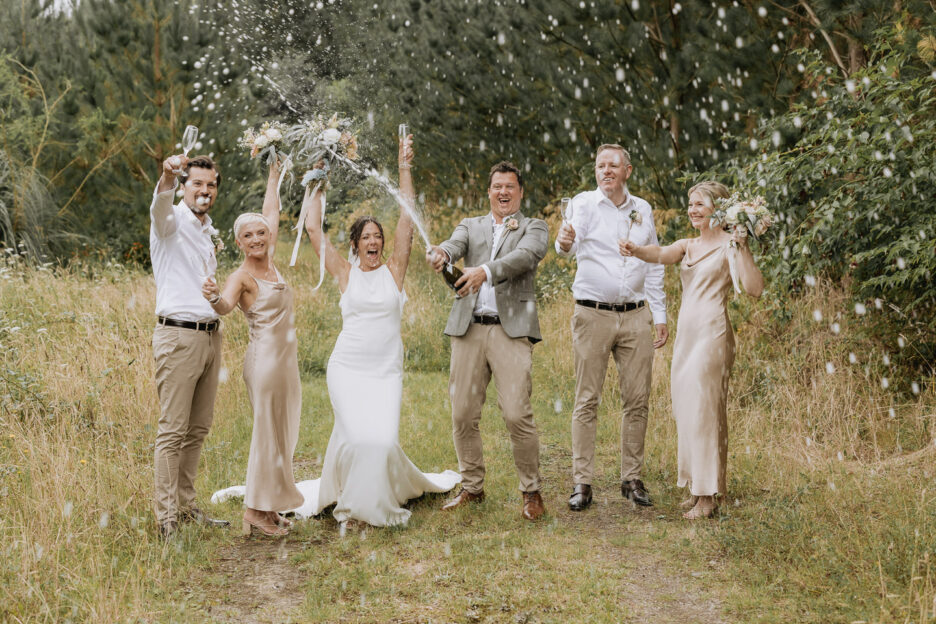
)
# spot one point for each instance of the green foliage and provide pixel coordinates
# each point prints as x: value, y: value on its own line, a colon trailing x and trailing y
x: 30, y: 222
x: 851, y: 177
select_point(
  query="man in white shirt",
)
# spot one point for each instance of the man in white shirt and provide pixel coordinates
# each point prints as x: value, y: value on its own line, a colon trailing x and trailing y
x: 187, y: 338
x: 493, y: 326
x: 617, y: 299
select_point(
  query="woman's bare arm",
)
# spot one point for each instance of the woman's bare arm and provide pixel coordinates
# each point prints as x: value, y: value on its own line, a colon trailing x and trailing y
x: 403, y: 241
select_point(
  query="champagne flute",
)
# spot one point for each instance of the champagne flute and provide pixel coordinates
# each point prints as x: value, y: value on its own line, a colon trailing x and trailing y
x: 403, y: 132
x: 566, y: 209
x: 189, y: 139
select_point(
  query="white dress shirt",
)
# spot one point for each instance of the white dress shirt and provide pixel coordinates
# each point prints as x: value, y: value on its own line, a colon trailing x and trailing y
x: 486, y: 303
x: 603, y: 274
x: 181, y: 250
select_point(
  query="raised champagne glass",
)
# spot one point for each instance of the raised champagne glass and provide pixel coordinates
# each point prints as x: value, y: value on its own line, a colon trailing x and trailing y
x: 189, y: 139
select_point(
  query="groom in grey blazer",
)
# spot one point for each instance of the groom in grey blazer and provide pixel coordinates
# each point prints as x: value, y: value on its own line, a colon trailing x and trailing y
x: 493, y: 326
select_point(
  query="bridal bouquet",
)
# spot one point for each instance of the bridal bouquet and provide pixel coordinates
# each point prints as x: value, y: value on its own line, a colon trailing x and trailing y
x: 317, y: 138
x: 735, y: 212
x: 267, y: 142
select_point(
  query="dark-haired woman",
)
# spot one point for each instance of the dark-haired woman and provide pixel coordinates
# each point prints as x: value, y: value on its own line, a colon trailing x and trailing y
x: 366, y: 474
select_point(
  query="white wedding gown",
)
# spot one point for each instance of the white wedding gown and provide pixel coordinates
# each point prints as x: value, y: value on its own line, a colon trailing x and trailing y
x: 366, y: 474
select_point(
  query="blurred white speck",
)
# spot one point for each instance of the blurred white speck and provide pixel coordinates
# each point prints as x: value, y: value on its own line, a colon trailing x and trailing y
x: 840, y: 456
x: 852, y: 358
x: 901, y: 263
x: 67, y: 509
x: 860, y: 309
x: 104, y: 520
x: 808, y: 441
x: 885, y: 383
x: 836, y: 328
x: 817, y: 315
x: 810, y: 280
x: 915, y: 388
x: 829, y: 367
x: 901, y: 342
x: 557, y: 405
x: 447, y: 549
x: 223, y: 374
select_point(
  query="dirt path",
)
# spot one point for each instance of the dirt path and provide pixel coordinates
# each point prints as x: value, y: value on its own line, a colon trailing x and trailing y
x: 263, y: 585
x: 661, y: 590
x: 255, y: 581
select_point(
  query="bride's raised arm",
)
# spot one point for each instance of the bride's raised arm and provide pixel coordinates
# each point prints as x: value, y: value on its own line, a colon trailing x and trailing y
x: 334, y: 263
x: 403, y: 240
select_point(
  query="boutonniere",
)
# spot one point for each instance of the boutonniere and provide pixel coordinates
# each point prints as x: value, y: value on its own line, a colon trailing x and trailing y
x: 635, y: 217
x: 512, y: 224
x: 216, y: 240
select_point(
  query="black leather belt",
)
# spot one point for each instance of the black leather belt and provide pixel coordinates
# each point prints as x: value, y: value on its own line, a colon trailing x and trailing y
x: 485, y: 320
x: 209, y: 327
x: 611, y: 307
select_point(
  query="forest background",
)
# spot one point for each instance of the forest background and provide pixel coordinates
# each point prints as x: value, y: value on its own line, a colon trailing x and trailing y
x: 826, y: 108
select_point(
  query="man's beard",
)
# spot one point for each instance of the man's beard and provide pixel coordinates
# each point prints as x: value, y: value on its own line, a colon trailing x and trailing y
x: 202, y: 205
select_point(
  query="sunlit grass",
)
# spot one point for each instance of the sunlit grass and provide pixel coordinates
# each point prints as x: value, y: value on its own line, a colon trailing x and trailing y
x: 829, y: 516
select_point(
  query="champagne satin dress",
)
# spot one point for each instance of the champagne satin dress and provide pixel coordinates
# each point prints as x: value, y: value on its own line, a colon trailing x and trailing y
x: 271, y: 372
x: 702, y: 359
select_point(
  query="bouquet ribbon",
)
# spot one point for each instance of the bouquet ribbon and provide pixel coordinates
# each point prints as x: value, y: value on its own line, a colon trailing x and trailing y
x: 733, y: 265
x: 300, y: 226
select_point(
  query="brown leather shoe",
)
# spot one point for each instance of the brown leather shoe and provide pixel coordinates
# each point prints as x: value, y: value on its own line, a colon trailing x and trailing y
x: 533, y: 506
x: 462, y: 498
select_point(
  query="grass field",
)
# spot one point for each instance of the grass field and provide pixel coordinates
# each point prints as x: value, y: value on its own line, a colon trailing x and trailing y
x: 830, y: 514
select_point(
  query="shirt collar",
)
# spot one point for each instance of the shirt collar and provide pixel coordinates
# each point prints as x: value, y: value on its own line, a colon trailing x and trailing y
x: 628, y: 198
x: 515, y: 215
x: 207, y: 225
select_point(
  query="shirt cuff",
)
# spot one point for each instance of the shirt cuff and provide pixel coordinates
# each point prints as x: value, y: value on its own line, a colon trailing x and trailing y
x: 175, y: 187
x: 659, y: 318
x: 487, y: 272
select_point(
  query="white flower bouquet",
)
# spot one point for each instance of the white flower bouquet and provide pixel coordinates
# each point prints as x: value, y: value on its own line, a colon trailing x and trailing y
x: 267, y: 142
x: 735, y: 212
x: 317, y: 139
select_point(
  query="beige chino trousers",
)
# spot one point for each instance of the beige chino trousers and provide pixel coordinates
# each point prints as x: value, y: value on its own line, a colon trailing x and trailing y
x: 485, y: 350
x: 187, y: 366
x: 626, y: 336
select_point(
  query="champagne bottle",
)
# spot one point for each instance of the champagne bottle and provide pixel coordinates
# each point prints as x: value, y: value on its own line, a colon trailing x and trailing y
x: 452, y: 274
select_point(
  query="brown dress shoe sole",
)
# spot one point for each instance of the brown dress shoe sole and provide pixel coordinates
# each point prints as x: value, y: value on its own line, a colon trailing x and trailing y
x: 464, y: 497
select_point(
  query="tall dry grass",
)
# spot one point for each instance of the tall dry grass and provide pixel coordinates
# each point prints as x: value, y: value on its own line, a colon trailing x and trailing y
x: 830, y: 515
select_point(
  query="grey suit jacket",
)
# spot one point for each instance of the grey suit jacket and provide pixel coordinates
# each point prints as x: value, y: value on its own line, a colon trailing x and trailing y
x: 513, y: 272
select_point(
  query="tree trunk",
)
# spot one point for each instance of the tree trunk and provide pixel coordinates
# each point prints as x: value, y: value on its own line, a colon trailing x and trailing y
x: 856, y: 53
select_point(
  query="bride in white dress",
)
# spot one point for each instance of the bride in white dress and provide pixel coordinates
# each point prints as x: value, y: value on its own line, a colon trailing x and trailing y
x: 366, y: 474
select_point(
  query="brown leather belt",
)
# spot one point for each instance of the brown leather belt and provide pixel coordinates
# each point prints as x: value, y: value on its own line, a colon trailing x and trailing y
x: 209, y: 327
x: 485, y: 320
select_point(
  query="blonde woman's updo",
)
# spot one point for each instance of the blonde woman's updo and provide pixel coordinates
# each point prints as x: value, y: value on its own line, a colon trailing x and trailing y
x: 249, y: 217
x: 711, y: 190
